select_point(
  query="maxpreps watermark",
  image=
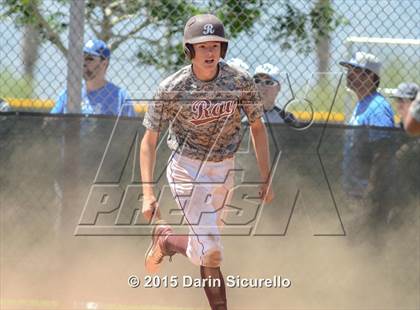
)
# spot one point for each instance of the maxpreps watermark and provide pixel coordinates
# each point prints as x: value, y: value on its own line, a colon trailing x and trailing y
x: 120, y: 204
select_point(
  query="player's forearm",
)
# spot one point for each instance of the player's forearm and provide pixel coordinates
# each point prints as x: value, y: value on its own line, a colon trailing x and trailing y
x: 260, y: 143
x: 411, y: 125
x: 147, y: 163
x: 412, y: 119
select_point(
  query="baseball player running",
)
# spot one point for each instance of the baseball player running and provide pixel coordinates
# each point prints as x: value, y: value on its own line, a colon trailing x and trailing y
x: 202, y: 103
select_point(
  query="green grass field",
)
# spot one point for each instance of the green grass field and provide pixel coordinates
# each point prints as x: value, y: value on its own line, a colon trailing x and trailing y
x: 12, y: 86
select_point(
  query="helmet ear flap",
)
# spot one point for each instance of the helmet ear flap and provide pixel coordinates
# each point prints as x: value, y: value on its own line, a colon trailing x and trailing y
x: 223, y: 49
x: 189, y: 51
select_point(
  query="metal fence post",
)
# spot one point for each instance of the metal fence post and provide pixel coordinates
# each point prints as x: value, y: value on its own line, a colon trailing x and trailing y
x: 347, y: 99
x: 75, y: 55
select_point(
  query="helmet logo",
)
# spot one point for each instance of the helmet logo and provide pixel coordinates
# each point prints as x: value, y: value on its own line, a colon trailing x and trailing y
x: 208, y: 29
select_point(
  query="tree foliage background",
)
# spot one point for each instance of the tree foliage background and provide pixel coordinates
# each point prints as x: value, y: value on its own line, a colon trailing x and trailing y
x: 116, y: 21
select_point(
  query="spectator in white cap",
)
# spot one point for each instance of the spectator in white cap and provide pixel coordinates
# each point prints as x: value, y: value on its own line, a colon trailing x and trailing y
x: 404, y: 95
x: 363, y: 77
x: 99, y: 96
x: 265, y: 76
x: 266, y: 79
x: 268, y: 85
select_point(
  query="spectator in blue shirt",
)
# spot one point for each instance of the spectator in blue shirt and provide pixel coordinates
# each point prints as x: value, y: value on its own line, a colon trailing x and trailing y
x: 363, y: 77
x: 367, y: 158
x: 98, y: 95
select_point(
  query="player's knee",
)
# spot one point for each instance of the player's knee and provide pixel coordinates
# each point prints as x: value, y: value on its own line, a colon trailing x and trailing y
x: 213, y: 258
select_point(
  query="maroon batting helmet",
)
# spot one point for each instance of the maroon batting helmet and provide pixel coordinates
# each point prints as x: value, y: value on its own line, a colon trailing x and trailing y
x: 204, y: 28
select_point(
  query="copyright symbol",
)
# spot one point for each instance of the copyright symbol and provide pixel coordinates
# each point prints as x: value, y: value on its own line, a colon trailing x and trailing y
x: 133, y: 281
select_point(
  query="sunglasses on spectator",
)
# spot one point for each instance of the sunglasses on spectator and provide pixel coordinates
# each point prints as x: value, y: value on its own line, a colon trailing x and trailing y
x: 265, y: 82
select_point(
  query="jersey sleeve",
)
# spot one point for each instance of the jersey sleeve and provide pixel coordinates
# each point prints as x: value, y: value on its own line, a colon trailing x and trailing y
x: 157, y: 116
x: 60, y: 104
x: 126, y: 104
x: 251, y: 101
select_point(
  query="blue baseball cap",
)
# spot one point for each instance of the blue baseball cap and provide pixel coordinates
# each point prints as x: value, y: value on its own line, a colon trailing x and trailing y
x: 97, y: 48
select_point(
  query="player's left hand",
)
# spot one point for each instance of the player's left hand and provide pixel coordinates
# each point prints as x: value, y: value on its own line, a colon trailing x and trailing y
x: 150, y: 208
x: 266, y: 193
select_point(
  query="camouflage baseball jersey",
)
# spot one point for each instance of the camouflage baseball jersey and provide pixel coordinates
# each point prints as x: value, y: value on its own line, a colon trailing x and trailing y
x: 204, y: 116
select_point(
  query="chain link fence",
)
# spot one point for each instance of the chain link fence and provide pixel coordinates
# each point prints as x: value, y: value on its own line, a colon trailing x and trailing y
x: 43, y: 42
x: 52, y: 163
x: 52, y: 172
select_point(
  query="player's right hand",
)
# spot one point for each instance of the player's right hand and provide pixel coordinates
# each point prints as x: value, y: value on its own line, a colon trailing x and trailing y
x: 266, y: 193
x: 150, y: 208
